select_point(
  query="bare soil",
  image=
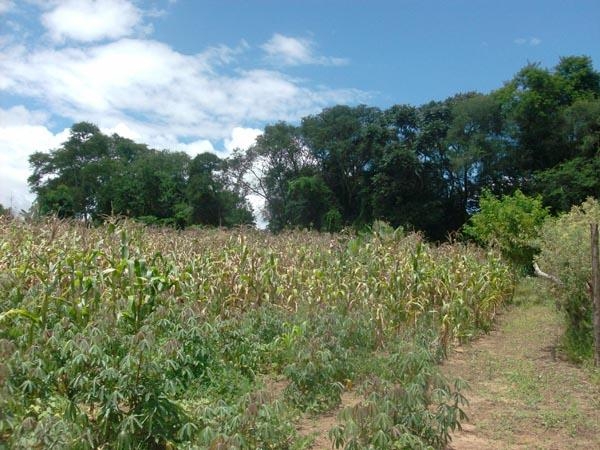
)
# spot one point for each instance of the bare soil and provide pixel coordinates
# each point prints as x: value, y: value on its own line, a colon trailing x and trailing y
x: 523, y: 393
x: 318, y: 427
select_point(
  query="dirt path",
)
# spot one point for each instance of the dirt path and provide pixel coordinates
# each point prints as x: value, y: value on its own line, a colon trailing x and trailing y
x: 522, y: 394
x: 318, y: 427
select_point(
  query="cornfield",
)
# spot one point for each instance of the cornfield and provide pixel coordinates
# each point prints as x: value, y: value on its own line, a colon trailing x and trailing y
x: 123, y: 336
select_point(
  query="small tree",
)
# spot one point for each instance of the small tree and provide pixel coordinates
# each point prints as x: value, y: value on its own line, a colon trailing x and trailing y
x: 511, y: 223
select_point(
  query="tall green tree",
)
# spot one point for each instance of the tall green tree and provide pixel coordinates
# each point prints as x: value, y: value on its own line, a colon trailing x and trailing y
x: 579, y: 79
x: 532, y: 104
x: 92, y: 175
x: 68, y: 180
x: 279, y: 156
x: 347, y: 141
x: 209, y: 199
x: 400, y: 195
x: 310, y: 203
x: 443, y: 205
x: 476, y: 150
x: 575, y: 178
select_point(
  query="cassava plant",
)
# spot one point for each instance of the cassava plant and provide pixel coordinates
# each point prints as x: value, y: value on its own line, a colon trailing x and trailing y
x: 127, y: 336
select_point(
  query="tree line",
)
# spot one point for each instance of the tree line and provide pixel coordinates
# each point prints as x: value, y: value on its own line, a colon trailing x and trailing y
x: 420, y: 167
x: 93, y: 175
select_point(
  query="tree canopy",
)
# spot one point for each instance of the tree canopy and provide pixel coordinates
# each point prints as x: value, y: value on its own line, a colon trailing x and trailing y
x: 93, y: 175
x: 421, y: 167
x: 426, y: 167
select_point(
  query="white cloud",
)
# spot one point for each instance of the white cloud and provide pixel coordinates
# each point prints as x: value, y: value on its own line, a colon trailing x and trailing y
x: 91, y: 20
x: 123, y: 130
x: 22, y: 133
x: 194, y: 148
x: 149, y: 85
x: 290, y: 51
x: 242, y: 138
x: 532, y: 41
x: 5, y: 5
x: 535, y: 41
x: 139, y: 88
x: 19, y: 115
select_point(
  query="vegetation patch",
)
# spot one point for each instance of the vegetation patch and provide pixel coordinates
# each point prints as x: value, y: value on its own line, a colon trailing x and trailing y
x: 124, y: 336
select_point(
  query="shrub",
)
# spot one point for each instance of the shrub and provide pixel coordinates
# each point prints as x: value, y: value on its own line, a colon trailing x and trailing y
x: 566, y: 254
x: 411, y: 406
x: 511, y: 223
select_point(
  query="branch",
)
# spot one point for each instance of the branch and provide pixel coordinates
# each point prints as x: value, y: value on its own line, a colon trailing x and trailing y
x: 545, y: 275
x: 261, y: 190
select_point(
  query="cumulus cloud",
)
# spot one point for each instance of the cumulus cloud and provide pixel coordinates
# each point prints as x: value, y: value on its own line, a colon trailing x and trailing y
x: 97, y: 67
x: 123, y: 130
x: 91, y: 20
x: 194, y: 148
x: 242, y: 138
x: 148, y: 82
x: 291, y: 51
x: 532, y: 41
x: 22, y: 133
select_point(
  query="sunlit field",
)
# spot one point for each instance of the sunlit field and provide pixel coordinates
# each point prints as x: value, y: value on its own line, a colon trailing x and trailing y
x: 123, y: 336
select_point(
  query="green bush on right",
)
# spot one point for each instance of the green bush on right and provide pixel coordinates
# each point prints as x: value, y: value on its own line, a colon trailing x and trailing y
x: 565, y: 252
x: 511, y: 224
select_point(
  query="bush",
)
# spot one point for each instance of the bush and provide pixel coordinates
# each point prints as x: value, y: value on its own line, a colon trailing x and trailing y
x: 511, y: 223
x: 410, y: 406
x: 566, y: 254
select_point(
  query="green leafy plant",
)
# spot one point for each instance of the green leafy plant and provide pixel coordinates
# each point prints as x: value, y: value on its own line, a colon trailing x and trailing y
x: 411, y: 405
x: 565, y: 253
x: 512, y: 223
x: 125, y: 336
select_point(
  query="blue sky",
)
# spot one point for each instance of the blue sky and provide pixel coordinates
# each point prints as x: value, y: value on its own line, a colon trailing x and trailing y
x: 197, y: 75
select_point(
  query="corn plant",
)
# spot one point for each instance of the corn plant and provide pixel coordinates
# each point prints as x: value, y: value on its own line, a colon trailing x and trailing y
x: 127, y: 336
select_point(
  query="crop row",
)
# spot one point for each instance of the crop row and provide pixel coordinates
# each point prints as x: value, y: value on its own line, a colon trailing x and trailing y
x: 123, y: 336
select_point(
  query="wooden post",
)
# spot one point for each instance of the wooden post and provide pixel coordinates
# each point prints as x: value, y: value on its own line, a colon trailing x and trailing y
x: 595, y: 285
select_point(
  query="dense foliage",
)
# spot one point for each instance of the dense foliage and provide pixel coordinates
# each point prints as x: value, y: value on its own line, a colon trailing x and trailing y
x: 93, y: 175
x: 566, y: 254
x: 122, y: 336
x: 423, y: 168
x: 512, y: 224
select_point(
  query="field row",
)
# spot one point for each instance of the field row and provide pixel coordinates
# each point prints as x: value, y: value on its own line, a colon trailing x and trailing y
x: 123, y: 336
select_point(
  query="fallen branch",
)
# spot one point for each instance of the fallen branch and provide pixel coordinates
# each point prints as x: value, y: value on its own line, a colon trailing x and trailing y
x: 545, y: 275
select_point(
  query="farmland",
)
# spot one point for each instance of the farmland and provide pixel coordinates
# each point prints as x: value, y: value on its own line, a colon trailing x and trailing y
x: 123, y: 336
